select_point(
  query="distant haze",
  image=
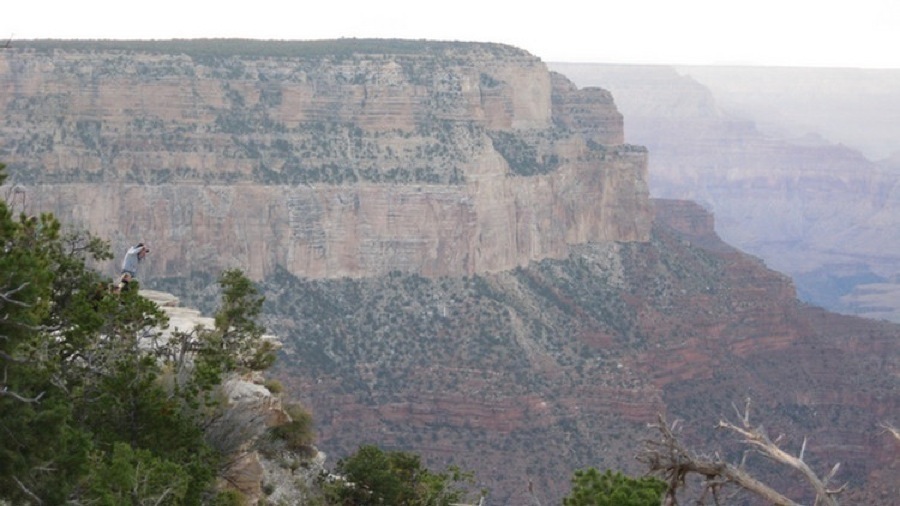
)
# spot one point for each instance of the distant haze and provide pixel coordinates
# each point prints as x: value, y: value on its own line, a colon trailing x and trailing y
x: 807, y: 33
x: 795, y: 163
x: 856, y: 107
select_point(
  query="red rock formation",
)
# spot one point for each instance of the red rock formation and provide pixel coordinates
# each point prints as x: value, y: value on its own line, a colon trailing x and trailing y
x: 684, y: 325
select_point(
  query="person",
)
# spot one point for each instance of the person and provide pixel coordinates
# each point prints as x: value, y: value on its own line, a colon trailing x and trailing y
x: 122, y: 285
x: 133, y: 257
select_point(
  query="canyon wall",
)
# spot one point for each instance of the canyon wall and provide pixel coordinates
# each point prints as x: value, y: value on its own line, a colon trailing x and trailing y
x: 440, y: 159
x: 528, y: 374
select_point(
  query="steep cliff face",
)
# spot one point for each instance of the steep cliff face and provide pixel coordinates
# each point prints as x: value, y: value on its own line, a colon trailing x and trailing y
x: 440, y: 159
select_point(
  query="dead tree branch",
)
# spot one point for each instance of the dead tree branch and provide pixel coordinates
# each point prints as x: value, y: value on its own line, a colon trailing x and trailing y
x: 889, y: 428
x: 757, y: 439
x: 29, y: 493
x: 669, y: 458
x: 6, y: 392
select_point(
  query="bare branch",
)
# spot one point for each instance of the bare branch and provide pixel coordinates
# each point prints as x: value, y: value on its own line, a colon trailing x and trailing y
x: 894, y: 431
x: 5, y: 297
x: 9, y: 358
x: 162, y: 497
x: 27, y: 492
x: 669, y: 458
x: 736, y: 410
x: 6, y: 392
x: 35, y: 328
x: 831, y: 473
x: 757, y: 439
x: 746, y: 419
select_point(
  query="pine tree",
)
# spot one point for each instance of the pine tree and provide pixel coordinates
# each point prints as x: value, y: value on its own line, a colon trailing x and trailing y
x: 89, y: 412
x: 591, y: 488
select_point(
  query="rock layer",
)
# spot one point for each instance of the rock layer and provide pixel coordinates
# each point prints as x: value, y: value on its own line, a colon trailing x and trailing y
x: 528, y: 374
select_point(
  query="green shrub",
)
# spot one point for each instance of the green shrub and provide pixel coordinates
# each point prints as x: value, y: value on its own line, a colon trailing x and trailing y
x: 373, y: 476
x: 297, y: 434
x: 274, y: 386
x: 590, y: 488
x: 229, y: 498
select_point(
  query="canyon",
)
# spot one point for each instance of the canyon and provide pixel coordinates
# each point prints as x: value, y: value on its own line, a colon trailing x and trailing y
x: 458, y: 248
x: 799, y: 165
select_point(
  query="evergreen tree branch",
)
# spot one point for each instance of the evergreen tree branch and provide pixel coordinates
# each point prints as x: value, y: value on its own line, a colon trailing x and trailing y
x: 6, y: 392
x: 7, y: 296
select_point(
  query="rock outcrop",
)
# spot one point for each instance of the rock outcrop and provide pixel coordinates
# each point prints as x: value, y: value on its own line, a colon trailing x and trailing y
x: 260, y: 470
x: 441, y: 159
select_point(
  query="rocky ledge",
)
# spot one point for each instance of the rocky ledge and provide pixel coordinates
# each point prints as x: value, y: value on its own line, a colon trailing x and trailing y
x: 264, y: 473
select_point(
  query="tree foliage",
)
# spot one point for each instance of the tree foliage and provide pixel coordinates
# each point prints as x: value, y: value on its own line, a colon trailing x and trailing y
x: 88, y: 413
x: 297, y: 434
x: 134, y: 476
x: 372, y: 476
x: 238, y: 341
x: 591, y: 488
x: 228, y: 48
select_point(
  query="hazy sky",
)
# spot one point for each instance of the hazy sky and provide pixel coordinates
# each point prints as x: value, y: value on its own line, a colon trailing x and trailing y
x: 861, y: 33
